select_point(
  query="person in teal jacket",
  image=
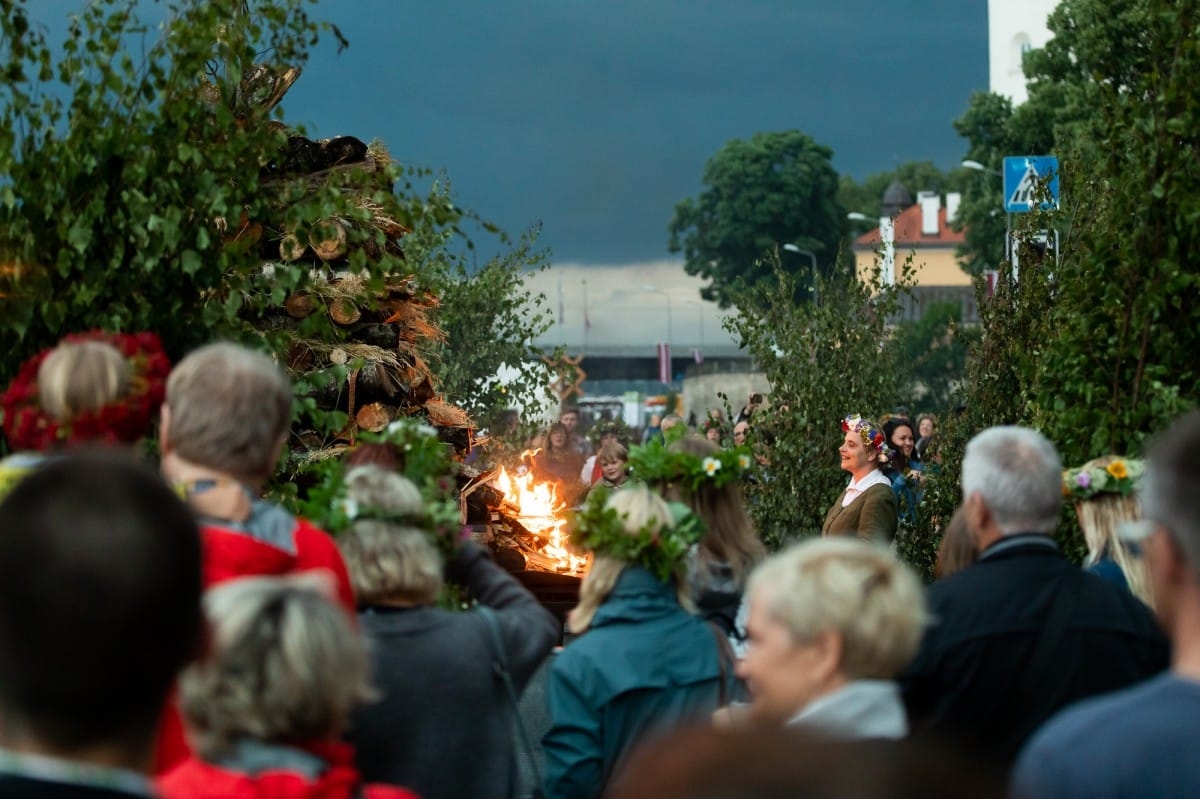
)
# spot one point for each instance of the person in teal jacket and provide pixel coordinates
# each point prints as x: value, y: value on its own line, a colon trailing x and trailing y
x: 644, y: 665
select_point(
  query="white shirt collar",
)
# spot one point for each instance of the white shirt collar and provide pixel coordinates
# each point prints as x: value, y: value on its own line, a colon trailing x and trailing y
x: 856, y: 487
x: 859, y: 709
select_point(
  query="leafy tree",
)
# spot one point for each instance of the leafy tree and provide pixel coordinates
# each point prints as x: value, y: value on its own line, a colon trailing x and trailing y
x: 866, y: 197
x: 145, y: 177
x: 933, y: 356
x: 823, y: 361
x: 1098, y: 349
x: 772, y: 189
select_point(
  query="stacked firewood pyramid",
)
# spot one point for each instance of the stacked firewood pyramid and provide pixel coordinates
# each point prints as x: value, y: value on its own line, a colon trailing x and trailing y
x: 355, y: 340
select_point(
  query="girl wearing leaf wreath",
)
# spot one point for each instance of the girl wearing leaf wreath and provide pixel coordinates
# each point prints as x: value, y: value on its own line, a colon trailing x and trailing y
x: 1103, y: 490
x: 867, y: 508
x: 720, y: 564
x: 642, y: 664
x: 91, y: 388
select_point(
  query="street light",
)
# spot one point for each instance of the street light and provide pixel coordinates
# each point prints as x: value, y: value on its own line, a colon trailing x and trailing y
x: 855, y: 216
x: 657, y: 290
x: 978, y: 167
x: 812, y: 257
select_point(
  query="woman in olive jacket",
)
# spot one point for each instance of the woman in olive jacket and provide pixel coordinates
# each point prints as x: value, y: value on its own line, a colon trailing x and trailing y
x: 867, y: 508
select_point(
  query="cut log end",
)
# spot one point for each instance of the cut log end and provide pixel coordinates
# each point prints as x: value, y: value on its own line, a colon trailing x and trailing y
x: 374, y: 417
x: 344, y: 311
x: 299, y: 305
x: 328, y: 239
x: 291, y: 247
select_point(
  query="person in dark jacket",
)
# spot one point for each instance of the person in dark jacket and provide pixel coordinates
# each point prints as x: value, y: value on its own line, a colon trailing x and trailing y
x: 443, y: 725
x: 1022, y: 632
x: 642, y: 666
x: 99, y: 610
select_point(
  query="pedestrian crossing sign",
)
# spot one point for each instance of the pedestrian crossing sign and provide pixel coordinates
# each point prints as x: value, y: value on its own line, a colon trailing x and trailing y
x: 1028, y: 178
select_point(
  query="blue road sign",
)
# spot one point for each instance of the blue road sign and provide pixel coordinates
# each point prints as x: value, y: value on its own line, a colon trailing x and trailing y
x: 1023, y: 177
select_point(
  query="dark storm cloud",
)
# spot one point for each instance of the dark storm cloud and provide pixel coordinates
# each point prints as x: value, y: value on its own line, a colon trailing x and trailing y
x: 597, y: 117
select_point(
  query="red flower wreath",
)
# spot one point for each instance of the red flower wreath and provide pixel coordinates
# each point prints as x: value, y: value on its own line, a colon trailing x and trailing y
x: 29, y: 428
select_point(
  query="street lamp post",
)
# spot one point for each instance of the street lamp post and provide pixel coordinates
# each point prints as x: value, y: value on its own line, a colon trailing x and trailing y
x: 812, y: 257
x: 978, y: 167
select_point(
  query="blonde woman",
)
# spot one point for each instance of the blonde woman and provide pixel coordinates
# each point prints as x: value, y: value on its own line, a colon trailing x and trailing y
x: 443, y: 725
x: 267, y: 704
x: 832, y: 622
x: 92, y: 388
x: 642, y: 663
x: 1103, y: 490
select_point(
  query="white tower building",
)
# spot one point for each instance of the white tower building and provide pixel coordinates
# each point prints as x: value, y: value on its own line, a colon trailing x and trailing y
x: 1014, y: 26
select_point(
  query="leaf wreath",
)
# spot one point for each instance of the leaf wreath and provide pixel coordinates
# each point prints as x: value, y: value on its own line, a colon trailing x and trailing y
x: 602, y: 530
x: 655, y: 462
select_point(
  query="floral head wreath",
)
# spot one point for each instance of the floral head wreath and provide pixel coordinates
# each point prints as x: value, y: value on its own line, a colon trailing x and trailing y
x: 655, y: 462
x: 871, y: 436
x: 599, y: 529
x: 29, y: 427
x: 1119, y: 476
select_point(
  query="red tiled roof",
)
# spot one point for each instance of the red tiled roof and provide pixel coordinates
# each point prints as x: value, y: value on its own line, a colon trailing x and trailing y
x: 908, y: 231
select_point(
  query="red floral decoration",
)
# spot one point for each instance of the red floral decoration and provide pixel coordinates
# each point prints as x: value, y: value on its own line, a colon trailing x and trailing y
x: 29, y: 428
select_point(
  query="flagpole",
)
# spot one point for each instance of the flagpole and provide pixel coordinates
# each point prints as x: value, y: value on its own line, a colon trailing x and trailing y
x: 587, y: 322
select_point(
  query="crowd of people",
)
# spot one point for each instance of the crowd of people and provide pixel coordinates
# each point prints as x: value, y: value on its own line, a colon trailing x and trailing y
x: 170, y: 632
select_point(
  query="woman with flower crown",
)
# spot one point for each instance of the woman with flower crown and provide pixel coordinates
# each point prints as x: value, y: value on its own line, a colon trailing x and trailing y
x: 1104, y: 493
x: 867, y: 508
x: 91, y: 388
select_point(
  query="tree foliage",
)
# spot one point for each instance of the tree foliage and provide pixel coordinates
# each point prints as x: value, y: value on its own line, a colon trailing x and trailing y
x: 823, y: 362
x: 867, y: 197
x: 1098, y: 349
x: 139, y: 168
x: 933, y: 357
x: 772, y: 189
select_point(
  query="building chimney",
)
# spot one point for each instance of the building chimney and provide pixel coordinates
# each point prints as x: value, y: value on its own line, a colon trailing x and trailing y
x: 930, y: 203
x: 953, y: 200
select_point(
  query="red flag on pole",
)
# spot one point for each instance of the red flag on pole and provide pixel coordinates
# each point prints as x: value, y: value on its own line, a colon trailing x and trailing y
x: 664, y: 363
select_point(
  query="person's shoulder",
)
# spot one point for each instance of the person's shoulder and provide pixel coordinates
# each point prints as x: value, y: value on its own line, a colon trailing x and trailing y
x: 1133, y: 713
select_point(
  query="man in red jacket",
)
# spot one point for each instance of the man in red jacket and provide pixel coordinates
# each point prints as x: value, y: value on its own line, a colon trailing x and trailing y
x: 224, y: 425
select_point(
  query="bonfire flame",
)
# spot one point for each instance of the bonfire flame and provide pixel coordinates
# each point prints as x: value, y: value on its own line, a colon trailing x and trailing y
x: 540, y: 511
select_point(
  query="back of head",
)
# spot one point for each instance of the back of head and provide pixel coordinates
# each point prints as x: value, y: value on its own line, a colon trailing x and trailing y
x: 850, y: 587
x: 388, y: 554
x: 99, y: 600
x: 729, y: 533
x: 81, y: 376
x: 285, y: 665
x: 640, y: 510
x: 1018, y: 474
x: 766, y: 763
x: 957, y: 549
x: 1171, y: 484
x: 230, y: 408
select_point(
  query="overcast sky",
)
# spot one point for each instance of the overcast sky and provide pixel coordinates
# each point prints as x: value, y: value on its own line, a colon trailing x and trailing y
x: 594, y: 117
